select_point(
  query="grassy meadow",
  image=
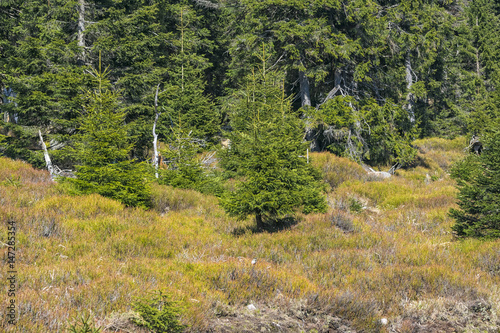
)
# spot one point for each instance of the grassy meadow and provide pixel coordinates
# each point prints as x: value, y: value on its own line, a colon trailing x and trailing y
x: 383, y: 250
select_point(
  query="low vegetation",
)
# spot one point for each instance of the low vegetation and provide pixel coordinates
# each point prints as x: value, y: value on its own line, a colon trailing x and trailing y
x: 384, y: 250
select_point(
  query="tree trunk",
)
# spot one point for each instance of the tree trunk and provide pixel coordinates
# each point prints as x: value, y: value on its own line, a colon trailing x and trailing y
x: 81, y: 28
x: 305, y: 98
x: 305, y: 95
x: 478, y: 71
x: 155, y: 136
x: 409, y: 83
x: 258, y: 219
x: 7, y: 117
x: 48, y: 162
x: 336, y: 88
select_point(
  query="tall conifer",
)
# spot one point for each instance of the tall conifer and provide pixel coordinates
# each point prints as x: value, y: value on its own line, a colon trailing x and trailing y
x: 267, y: 151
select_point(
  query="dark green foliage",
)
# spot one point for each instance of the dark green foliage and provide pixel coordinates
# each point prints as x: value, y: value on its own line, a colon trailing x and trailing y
x: 474, y: 72
x: 268, y: 153
x: 102, y: 150
x: 39, y: 62
x: 159, y: 314
x: 365, y: 131
x: 304, y: 34
x: 379, y: 73
x: 185, y: 87
x: 478, y: 181
x: 162, y: 42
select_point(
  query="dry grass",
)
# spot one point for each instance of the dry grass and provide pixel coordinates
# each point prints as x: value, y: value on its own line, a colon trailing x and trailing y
x: 384, y: 249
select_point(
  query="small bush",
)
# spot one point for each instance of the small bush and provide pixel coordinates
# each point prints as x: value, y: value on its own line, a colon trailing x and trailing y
x: 355, y: 205
x: 343, y: 222
x: 159, y: 314
x: 438, y: 153
x: 426, y: 144
x: 83, y: 325
x: 12, y: 181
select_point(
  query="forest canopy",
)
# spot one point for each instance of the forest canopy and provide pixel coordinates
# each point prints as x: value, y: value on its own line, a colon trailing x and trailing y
x: 354, y: 69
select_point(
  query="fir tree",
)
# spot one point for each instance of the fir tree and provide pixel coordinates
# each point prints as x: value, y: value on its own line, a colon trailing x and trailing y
x: 184, y: 170
x: 102, y: 150
x: 478, y: 181
x: 185, y: 89
x: 266, y: 149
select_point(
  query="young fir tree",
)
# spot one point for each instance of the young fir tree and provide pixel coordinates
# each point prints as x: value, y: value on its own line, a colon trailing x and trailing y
x: 191, y: 116
x: 184, y: 170
x: 102, y: 150
x: 478, y: 181
x: 184, y: 91
x: 267, y: 151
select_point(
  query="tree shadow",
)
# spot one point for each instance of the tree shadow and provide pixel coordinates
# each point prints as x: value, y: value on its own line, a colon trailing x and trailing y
x: 270, y: 226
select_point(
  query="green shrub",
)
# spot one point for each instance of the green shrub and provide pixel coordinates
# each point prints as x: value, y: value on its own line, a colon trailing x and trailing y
x: 83, y: 325
x: 159, y: 314
x: 355, y: 205
x: 267, y: 150
x: 165, y: 198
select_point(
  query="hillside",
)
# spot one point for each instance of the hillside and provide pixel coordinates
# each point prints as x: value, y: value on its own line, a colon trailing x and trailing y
x: 383, y: 250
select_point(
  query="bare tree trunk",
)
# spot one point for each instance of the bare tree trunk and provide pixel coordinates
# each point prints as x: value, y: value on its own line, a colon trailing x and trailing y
x: 305, y: 95
x: 81, y: 28
x: 48, y: 162
x: 305, y: 98
x: 409, y: 82
x: 258, y: 219
x: 155, y: 136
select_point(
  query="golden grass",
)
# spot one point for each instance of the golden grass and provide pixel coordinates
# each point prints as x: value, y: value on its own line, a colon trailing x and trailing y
x: 337, y: 170
x: 395, y: 257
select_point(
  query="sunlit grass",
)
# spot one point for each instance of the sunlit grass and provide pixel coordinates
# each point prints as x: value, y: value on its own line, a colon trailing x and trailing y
x: 384, y: 249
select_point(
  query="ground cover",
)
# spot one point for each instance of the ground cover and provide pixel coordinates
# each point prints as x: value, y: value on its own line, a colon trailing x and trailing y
x: 383, y: 250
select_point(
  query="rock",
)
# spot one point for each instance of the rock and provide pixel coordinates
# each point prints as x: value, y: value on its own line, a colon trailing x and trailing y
x: 251, y: 307
x: 382, y: 174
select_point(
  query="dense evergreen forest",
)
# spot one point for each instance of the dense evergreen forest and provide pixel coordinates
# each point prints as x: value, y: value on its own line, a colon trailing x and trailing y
x: 366, y: 77
x: 108, y: 84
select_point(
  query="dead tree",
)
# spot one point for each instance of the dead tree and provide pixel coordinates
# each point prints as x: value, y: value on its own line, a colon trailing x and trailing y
x: 410, y: 98
x: 48, y: 162
x: 81, y: 29
x: 155, y: 159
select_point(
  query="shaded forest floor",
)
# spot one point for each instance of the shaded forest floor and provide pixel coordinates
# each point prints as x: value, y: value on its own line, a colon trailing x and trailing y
x: 383, y: 250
